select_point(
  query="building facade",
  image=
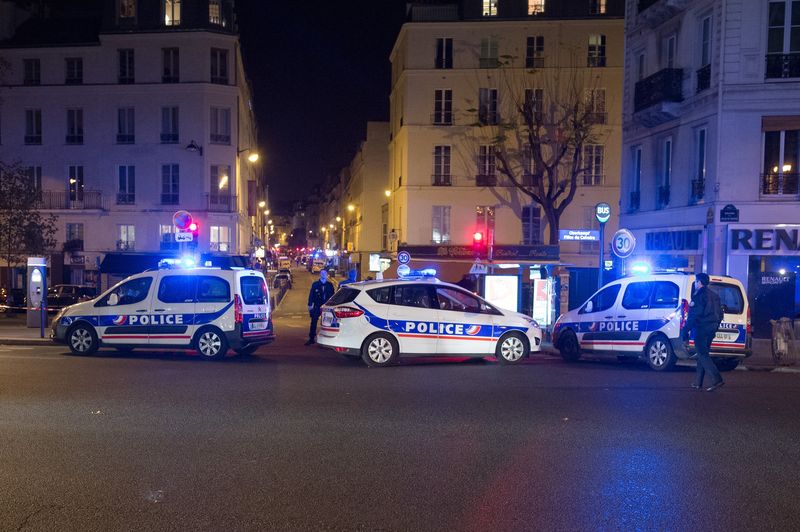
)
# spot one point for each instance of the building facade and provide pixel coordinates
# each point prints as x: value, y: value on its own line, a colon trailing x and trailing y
x: 461, y: 71
x: 125, y: 120
x: 710, y: 143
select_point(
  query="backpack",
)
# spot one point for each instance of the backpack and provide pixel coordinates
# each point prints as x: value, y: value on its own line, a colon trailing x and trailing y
x: 714, y: 310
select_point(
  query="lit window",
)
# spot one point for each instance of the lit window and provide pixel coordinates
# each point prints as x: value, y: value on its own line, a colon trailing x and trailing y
x: 489, y: 8
x: 535, y: 7
x: 597, y: 51
x: 172, y: 12
x: 597, y: 7
x: 214, y: 12
x: 220, y: 238
x: 127, y: 237
x: 127, y: 9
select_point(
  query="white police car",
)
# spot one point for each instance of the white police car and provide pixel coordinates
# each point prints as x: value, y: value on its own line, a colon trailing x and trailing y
x: 642, y: 316
x: 380, y: 320
x: 208, y: 309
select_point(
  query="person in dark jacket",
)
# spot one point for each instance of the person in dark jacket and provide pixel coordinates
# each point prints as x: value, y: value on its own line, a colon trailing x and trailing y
x: 320, y: 292
x: 704, y: 321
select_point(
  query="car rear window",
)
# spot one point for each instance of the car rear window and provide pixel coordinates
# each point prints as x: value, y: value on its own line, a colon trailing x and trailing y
x: 343, y: 295
x: 213, y: 290
x: 254, y: 290
x: 381, y: 295
x: 665, y: 295
x: 730, y: 295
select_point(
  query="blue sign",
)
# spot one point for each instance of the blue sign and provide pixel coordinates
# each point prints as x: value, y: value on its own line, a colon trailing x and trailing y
x: 602, y: 211
x: 403, y: 270
x: 578, y: 235
x: 404, y: 257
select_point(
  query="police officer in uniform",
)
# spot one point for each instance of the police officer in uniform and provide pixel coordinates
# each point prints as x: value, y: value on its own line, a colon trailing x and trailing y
x: 704, y: 321
x: 320, y: 292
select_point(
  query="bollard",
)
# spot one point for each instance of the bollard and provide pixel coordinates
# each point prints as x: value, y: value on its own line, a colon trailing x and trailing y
x: 784, y: 349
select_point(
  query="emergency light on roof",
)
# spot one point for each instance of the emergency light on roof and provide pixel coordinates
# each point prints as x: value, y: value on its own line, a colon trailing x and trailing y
x: 417, y: 274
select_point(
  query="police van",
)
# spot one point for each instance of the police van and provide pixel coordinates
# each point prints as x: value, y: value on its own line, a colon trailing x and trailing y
x: 206, y: 309
x: 642, y: 317
x: 377, y: 321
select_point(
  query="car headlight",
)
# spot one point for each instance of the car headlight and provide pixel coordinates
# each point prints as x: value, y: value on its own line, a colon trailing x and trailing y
x: 533, y: 322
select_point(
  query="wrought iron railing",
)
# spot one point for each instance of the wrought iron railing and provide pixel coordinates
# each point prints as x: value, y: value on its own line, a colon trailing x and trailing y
x: 663, y: 86
x: 704, y: 78
x: 634, y: 202
x: 62, y: 200
x: 698, y: 190
x: 482, y: 180
x: 782, y: 184
x: 663, y: 196
x: 221, y: 203
x: 783, y: 65
x: 441, y: 180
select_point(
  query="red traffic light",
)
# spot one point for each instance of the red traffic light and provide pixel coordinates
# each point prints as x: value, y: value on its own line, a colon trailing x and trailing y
x: 192, y: 227
x: 477, y: 237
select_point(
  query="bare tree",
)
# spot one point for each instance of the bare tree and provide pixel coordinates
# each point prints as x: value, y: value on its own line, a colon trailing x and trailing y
x: 539, y: 129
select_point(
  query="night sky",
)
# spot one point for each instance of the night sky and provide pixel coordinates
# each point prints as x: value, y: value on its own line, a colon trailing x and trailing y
x: 319, y: 71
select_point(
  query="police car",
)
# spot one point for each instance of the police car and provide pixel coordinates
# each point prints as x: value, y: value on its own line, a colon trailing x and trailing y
x: 207, y: 309
x: 378, y: 321
x: 642, y: 316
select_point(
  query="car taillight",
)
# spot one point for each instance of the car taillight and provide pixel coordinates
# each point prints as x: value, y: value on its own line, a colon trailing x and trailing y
x: 347, y: 312
x: 237, y: 309
x: 749, y: 326
x: 684, y: 312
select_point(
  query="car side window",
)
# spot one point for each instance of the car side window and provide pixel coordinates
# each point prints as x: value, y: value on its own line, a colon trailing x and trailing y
x: 176, y: 289
x: 132, y: 292
x: 665, y: 295
x: 213, y: 290
x: 730, y: 296
x: 381, y: 295
x: 637, y: 296
x: 602, y: 300
x: 412, y: 295
x: 450, y: 299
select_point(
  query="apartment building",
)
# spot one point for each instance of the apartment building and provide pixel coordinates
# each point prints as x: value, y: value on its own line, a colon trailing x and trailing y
x: 460, y: 73
x: 710, y: 143
x: 125, y: 117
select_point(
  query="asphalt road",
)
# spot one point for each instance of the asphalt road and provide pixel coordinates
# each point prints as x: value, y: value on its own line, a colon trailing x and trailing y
x: 300, y: 438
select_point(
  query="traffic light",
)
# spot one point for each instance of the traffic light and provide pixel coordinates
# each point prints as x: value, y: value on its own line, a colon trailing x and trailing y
x: 195, y: 230
x: 478, y: 243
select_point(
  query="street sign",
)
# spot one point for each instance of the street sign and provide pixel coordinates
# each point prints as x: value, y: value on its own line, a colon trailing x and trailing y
x: 404, y: 257
x: 602, y: 211
x: 403, y: 270
x: 729, y: 213
x: 479, y: 268
x: 182, y: 220
x: 623, y: 243
x: 183, y: 236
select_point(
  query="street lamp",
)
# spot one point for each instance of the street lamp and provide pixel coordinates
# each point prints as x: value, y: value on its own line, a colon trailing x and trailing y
x: 253, y: 157
x: 262, y: 204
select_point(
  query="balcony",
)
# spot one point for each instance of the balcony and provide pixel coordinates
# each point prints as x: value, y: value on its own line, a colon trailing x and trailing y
x: 433, y: 13
x: 169, y: 199
x: 634, y: 202
x: 62, y: 200
x: 698, y: 191
x: 221, y: 203
x: 219, y: 80
x: 593, y: 180
x: 655, y: 12
x: 74, y: 139
x: 220, y: 139
x: 169, y: 138
x: 125, y: 138
x: 33, y: 139
x: 488, y: 62
x: 534, y: 62
x: 126, y: 245
x: 596, y: 118
x: 441, y: 180
x: 662, y: 198
x: 442, y: 119
x: 482, y: 180
x: 656, y: 97
x: 783, y: 66
x: 777, y: 185
x: 703, y: 78
x: 126, y: 198
x: 221, y: 247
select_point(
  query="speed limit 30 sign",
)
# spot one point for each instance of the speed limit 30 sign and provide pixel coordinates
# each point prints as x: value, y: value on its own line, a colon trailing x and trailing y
x: 623, y: 243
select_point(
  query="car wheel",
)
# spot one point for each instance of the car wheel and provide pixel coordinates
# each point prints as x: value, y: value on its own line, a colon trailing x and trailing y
x: 82, y: 339
x: 246, y: 351
x: 511, y: 349
x: 726, y: 364
x: 211, y: 343
x: 568, y: 347
x: 379, y: 350
x: 659, y: 355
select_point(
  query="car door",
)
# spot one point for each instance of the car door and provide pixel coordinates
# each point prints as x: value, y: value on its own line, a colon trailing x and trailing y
x: 214, y: 302
x: 172, y: 311
x: 414, y: 319
x: 595, y: 328
x: 631, y: 320
x: 255, y: 306
x: 464, y: 328
x: 122, y: 314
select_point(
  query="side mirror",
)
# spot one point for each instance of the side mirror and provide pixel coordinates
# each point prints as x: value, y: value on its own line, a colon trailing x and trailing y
x: 113, y: 299
x: 589, y: 306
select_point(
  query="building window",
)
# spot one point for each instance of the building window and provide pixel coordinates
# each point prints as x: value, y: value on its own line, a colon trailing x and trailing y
x: 783, y: 40
x: 74, y: 236
x: 666, y: 174
x: 531, y: 225
x: 75, y: 183
x: 443, y: 107
x: 668, y: 51
x: 593, y: 156
x: 219, y: 188
x: 127, y: 237
x: 126, y: 65
x: 32, y: 71
x: 127, y: 185
x: 170, y: 59
x: 484, y: 221
x: 597, y: 51
x: 170, y: 184
x: 127, y: 8
x: 444, y: 53
x: 166, y: 237
x: 487, y: 169
x: 536, y: 7
x: 704, y: 72
x: 699, y: 178
x: 489, y: 8
x: 219, y: 66
x: 590, y: 222
x: 126, y: 132
x: 440, y: 224
x: 384, y: 227
x: 487, y: 106
x: 640, y: 66
x: 596, y: 106
x: 214, y: 12
x: 34, y: 174
x: 220, y: 125
x: 220, y: 238
x: 489, y: 53
x: 781, y: 157
x: 534, y: 52
x: 169, y: 125
x: 33, y: 126
x: 441, y: 166
x: 74, y: 126
x: 74, y: 74
x: 597, y: 7
x: 534, y: 103
x: 636, y: 178
x: 172, y: 12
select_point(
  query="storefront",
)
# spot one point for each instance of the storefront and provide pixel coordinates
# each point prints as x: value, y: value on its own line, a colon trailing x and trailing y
x: 668, y: 248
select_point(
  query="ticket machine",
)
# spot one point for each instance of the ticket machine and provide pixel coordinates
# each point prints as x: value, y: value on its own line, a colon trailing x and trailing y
x: 37, y: 293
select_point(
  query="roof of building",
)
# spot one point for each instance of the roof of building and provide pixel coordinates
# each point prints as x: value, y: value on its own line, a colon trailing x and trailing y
x: 54, y: 32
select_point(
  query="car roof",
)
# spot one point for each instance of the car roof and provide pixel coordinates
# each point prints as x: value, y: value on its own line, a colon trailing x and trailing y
x: 365, y: 285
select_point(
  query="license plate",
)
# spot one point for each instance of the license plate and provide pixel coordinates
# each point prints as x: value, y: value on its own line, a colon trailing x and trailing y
x: 327, y: 319
x: 258, y: 325
x: 726, y: 337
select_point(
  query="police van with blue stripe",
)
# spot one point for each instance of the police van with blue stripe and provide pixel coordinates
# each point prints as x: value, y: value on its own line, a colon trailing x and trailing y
x: 377, y: 321
x: 642, y: 316
x: 207, y: 309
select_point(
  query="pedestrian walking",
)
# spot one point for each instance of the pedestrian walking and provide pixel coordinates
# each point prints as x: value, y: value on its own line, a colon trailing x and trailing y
x: 321, y: 291
x: 705, y: 316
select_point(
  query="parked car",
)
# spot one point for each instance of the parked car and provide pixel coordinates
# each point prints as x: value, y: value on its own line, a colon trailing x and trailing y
x: 282, y: 279
x: 63, y: 295
x: 13, y: 301
x: 288, y: 272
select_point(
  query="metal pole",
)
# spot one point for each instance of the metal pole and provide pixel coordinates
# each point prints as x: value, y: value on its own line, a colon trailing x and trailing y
x: 43, y: 304
x: 602, y: 252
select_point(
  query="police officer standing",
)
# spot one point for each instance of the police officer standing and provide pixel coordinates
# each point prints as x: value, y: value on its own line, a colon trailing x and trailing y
x: 704, y: 320
x: 320, y: 292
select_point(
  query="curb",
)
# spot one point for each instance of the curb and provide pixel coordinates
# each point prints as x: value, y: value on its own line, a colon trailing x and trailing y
x: 27, y: 341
